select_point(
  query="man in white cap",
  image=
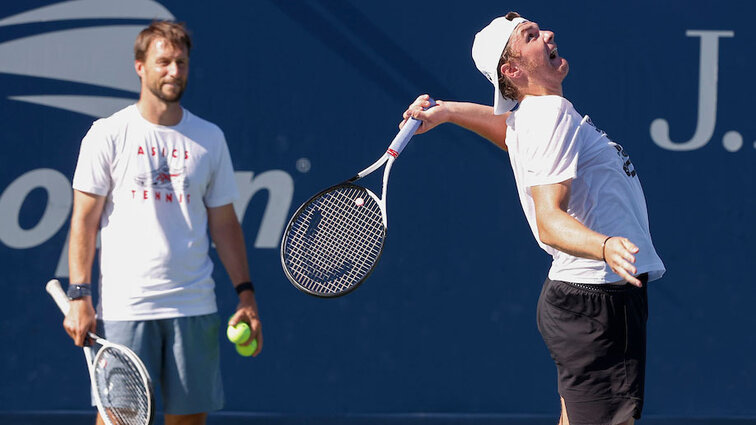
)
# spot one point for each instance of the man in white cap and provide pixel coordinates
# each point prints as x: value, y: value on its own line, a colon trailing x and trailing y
x: 585, y: 206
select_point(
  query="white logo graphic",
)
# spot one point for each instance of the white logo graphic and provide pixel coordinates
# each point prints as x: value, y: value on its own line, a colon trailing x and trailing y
x: 100, y: 56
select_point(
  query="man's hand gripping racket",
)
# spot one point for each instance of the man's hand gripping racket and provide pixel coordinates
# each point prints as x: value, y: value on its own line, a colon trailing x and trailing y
x: 120, y: 383
x: 334, y: 240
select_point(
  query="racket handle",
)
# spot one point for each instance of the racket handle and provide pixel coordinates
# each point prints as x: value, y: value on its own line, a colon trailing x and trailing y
x: 61, y: 299
x: 405, y: 134
x: 56, y: 292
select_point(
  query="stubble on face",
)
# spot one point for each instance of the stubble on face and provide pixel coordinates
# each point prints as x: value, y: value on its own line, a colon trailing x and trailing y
x: 169, y: 91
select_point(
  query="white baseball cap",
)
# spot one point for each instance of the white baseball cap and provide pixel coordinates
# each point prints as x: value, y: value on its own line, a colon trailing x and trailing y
x: 487, y: 48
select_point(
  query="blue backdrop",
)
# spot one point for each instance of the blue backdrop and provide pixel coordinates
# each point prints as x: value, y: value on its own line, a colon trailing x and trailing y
x: 308, y: 93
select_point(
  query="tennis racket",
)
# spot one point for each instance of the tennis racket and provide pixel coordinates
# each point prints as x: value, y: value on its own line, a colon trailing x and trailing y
x: 120, y: 383
x: 334, y: 240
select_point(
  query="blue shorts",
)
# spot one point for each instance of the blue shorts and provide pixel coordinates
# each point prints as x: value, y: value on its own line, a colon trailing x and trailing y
x: 182, y: 356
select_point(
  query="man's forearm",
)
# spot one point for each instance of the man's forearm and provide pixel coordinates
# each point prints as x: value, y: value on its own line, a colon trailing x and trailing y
x: 561, y: 231
x: 85, y: 223
x: 229, y: 243
x: 479, y: 119
x: 81, y: 252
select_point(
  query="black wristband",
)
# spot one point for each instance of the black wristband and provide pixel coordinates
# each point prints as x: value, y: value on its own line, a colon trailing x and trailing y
x: 244, y: 286
x: 79, y: 290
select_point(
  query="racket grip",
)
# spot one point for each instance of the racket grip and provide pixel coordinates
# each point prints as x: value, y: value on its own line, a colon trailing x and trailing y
x: 56, y: 292
x: 405, y: 134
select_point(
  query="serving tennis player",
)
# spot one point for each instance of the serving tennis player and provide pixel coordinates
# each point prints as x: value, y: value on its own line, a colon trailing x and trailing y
x: 583, y: 200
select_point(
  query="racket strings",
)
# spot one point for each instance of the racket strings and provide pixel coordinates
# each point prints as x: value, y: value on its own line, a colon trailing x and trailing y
x: 346, y: 243
x: 121, y: 388
x: 335, y: 240
x: 334, y: 244
x: 343, y: 244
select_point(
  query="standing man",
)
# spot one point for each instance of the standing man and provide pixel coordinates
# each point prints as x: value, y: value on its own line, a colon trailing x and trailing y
x: 585, y: 206
x: 154, y: 178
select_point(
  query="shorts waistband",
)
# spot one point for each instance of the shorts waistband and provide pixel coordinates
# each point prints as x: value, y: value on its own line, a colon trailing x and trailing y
x: 608, y: 288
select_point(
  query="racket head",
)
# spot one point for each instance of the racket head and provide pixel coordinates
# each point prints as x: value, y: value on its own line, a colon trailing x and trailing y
x: 121, y: 386
x: 334, y: 241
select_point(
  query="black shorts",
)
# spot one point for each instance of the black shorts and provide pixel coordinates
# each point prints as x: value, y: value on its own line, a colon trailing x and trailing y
x: 596, y: 335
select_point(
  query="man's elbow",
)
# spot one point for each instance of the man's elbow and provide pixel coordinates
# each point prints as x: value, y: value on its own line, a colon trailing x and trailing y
x: 545, y: 238
x: 546, y: 233
x: 225, y: 228
x: 85, y: 223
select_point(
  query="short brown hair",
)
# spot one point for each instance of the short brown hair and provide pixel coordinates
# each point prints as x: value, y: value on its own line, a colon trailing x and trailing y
x: 506, y: 87
x: 175, y: 32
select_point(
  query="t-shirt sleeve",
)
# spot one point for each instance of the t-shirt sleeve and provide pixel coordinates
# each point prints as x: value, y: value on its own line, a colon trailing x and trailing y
x: 92, y: 173
x: 222, y: 187
x: 551, y: 149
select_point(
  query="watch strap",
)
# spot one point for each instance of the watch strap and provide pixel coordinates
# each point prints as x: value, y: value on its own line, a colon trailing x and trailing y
x: 244, y: 286
x: 79, y: 290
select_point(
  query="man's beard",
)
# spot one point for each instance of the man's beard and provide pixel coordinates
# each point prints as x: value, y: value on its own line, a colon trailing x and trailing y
x: 168, y: 98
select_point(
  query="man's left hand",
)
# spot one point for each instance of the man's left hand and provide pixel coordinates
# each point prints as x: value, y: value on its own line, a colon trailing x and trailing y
x: 246, y: 312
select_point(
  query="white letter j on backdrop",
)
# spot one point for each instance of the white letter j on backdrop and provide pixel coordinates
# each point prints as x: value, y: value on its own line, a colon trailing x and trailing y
x: 707, y: 96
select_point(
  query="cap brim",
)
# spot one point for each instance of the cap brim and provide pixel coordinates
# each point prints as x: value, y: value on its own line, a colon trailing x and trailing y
x: 502, y: 104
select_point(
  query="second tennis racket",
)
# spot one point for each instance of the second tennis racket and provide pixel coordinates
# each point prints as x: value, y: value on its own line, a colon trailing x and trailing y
x: 334, y: 240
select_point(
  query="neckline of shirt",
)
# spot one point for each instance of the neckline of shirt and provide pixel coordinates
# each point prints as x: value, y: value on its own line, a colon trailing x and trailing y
x: 184, y: 118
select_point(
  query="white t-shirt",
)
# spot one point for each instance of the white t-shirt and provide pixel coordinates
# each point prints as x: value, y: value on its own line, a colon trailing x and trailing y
x: 158, y: 182
x: 549, y: 142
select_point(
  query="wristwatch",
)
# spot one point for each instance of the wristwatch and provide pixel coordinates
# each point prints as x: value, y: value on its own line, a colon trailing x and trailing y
x: 79, y: 290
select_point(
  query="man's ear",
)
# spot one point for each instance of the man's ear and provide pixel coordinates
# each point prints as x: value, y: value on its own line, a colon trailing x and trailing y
x: 510, y: 70
x: 139, y: 68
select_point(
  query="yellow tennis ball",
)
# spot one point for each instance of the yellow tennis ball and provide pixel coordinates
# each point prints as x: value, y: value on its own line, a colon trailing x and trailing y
x: 238, y: 334
x: 247, y: 350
